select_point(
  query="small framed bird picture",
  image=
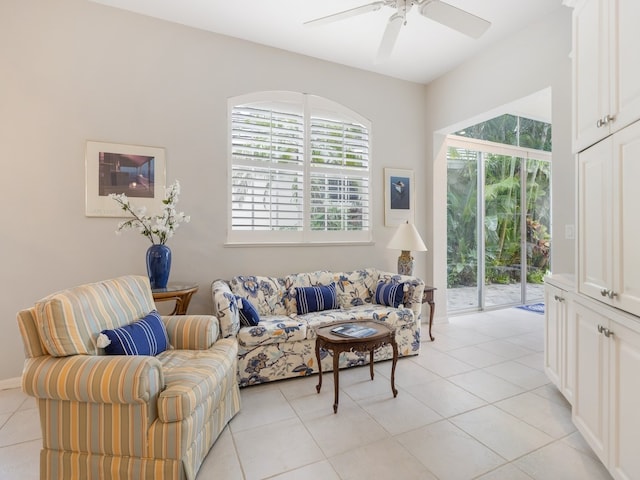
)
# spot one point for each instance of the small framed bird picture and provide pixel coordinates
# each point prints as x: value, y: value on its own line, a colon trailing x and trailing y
x: 399, y: 197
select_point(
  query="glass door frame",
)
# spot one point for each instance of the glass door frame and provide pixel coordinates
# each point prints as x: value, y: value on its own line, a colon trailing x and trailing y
x: 523, y: 155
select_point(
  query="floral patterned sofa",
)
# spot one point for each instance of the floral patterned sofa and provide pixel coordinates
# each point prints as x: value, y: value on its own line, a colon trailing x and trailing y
x: 282, y: 344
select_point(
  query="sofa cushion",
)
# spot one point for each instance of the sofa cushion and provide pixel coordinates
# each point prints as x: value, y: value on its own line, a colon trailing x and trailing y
x: 193, y: 377
x: 147, y: 336
x: 354, y: 288
x: 389, y: 294
x: 70, y: 321
x: 274, y: 329
x: 249, y: 316
x: 316, y: 298
x: 265, y: 293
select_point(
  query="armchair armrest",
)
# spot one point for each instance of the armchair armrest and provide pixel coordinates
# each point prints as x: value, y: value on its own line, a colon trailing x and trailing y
x: 225, y: 308
x: 96, y: 379
x: 192, y: 332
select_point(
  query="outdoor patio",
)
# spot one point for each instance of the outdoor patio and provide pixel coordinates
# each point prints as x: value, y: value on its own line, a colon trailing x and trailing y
x: 466, y: 298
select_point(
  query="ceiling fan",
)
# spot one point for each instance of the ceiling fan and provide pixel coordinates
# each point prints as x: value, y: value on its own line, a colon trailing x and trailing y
x: 453, y: 17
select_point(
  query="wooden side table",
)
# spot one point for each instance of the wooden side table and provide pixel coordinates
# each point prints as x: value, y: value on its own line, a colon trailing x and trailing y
x: 427, y: 297
x: 328, y: 340
x: 181, y: 293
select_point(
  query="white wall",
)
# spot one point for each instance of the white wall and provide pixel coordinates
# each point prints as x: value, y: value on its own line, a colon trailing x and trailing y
x: 74, y: 71
x: 532, y: 60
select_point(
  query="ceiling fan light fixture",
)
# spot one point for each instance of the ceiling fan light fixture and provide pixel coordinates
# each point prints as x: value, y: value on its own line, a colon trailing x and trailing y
x: 455, y: 18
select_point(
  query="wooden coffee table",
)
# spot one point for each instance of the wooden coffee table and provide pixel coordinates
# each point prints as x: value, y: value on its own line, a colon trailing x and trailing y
x: 326, y: 339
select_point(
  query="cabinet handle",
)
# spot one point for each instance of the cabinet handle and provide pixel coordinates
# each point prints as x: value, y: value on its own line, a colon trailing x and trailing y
x: 605, y: 331
x: 611, y: 294
x: 604, y: 121
x: 604, y: 292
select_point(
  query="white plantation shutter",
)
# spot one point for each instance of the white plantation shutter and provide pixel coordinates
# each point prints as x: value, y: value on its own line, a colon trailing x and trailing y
x: 267, y: 169
x: 299, y: 170
x: 339, y: 175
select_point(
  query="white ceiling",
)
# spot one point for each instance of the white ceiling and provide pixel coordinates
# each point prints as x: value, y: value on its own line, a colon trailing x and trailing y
x: 424, y: 50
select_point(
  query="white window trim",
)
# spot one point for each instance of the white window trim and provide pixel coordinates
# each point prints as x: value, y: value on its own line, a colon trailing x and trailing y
x: 311, y: 103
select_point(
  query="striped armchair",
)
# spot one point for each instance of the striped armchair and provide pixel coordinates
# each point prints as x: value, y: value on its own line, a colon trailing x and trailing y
x: 124, y: 417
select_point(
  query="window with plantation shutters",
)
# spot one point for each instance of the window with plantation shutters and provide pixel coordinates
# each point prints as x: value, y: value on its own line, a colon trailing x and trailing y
x: 299, y: 170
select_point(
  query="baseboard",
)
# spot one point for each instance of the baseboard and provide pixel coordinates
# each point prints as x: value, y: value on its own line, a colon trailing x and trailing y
x: 10, y: 383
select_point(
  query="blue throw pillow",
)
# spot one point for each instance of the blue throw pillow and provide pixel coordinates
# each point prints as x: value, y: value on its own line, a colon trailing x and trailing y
x: 147, y: 336
x: 249, y: 316
x: 316, y: 299
x: 389, y: 294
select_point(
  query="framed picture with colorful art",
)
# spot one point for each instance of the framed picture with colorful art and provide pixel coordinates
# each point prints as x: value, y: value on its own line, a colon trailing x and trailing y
x: 137, y: 171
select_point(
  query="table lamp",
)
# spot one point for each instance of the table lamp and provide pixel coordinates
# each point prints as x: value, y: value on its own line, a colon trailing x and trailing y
x: 406, y: 239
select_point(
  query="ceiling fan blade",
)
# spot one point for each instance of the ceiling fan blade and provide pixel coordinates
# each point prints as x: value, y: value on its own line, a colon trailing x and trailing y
x: 352, y: 12
x: 390, y: 36
x: 453, y: 17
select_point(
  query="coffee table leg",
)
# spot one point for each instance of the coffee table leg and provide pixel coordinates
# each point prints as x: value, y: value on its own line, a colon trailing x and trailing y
x: 319, y: 386
x: 336, y: 373
x: 394, y: 345
x: 432, y: 307
x: 371, y: 363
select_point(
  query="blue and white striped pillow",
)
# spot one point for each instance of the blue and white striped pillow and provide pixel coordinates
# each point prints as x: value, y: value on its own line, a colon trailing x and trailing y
x: 147, y: 336
x: 389, y: 294
x: 316, y: 299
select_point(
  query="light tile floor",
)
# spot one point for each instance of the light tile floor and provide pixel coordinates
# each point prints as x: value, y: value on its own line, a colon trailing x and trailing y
x: 475, y: 404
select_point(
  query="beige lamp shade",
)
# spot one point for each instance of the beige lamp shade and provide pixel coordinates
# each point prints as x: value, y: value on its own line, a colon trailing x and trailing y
x: 407, y: 238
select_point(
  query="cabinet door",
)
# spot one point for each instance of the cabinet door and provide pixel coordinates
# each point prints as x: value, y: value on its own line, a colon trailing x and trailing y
x: 552, y: 335
x: 625, y: 68
x: 590, y: 411
x: 595, y: 211
x: 568, y: 350
x: 626, y: 227
x: 625, y: 402
x: 590, y: 72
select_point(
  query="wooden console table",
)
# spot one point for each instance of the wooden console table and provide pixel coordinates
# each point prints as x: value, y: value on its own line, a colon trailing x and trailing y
x: 427, y: 297
x: 180, y: 293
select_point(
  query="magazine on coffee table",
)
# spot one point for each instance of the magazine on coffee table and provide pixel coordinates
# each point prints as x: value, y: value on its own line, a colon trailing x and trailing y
x: 353, y: 330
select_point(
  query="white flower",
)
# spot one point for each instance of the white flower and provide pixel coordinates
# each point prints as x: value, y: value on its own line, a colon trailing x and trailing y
x: 157, y: 228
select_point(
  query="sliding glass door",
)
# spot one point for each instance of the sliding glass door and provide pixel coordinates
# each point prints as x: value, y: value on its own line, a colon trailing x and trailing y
x: 502, y: 230
x: 498, y: 215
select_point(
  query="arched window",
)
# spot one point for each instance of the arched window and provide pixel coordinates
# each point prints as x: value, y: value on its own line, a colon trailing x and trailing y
x: 299, y: 170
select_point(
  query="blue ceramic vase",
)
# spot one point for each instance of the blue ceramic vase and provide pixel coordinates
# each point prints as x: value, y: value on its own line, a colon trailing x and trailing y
x: 158, y: 265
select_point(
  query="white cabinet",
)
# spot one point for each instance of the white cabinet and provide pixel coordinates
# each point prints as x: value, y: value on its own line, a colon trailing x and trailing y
x: 606, y: 73
x: 604, y: 342
x: 595, y: 222
x: 590, y: 405
x: 607, y: 391
x: 608, y: 225
x: 590, y: 72
x: 559, y: 340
